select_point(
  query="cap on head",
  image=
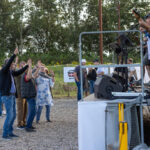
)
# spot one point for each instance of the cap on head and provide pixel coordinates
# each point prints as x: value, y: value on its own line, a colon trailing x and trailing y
x: 130, y: 59
x: 83, y: 61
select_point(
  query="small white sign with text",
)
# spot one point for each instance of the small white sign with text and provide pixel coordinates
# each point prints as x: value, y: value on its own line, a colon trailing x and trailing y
x: 68, y: 74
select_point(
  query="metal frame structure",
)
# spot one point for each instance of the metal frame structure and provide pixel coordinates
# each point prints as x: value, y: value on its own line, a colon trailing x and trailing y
x: 129, y: 103
x: 122, y: 65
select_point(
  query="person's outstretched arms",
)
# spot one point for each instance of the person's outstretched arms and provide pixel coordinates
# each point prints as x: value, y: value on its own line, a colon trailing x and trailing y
x: 29, y: 73
x: 20, y: 71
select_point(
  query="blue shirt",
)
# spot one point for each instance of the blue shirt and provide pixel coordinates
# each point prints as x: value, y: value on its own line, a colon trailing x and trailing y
x: 147, y: 34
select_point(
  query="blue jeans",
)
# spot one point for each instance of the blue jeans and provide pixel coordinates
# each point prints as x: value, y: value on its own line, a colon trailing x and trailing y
x: 0, y: 105
x: 79, y: 90
x: 91, y: 86
x: 10, y: 105
x: 31, y: 111
x: 39, y: 111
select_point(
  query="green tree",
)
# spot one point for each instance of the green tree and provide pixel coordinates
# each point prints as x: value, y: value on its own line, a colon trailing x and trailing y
x: 10, y: 20
x: 49, y: 29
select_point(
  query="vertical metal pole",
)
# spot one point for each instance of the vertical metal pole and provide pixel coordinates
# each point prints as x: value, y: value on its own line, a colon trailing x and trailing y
x: 80, y: 60
x: 101, y: 29
x: 141, y: 107
x: 106, y: 129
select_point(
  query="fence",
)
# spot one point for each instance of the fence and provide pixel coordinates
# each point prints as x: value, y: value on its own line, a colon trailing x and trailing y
x: 62, y: 89
x: 69, y: 90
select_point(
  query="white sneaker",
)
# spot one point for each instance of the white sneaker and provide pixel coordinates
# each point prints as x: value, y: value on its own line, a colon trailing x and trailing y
x: 20, y: 128
x: 4, y: 112
x: 52, y: 104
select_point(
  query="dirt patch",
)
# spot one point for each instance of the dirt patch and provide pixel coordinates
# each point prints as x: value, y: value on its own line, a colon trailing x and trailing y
x: 61, y: 134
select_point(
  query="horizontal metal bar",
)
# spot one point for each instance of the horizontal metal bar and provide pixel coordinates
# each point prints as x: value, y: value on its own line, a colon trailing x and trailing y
x: 129, y: 101
x: 127, y: 94
x: 103, y: 32
x: 105, y: 66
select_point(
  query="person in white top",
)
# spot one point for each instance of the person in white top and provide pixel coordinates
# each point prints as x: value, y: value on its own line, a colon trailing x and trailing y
x: 132, y: 74
x: 99, y: 70
x: 44, y: 95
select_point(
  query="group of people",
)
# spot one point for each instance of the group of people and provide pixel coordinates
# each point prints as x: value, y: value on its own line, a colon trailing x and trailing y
x: 30, y: 88
x: 89, y: 78
x: 90, y: 75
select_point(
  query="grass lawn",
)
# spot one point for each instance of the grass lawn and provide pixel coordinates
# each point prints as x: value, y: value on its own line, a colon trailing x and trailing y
x: 62, y: 89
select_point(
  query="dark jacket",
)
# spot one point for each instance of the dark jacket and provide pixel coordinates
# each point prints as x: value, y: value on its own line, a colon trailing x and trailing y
x: 5, y: 76
x: 28, y: 89
x: 92, y: 75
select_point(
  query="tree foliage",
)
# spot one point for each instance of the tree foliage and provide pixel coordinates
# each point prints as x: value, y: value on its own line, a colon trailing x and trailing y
x: 49, y: 29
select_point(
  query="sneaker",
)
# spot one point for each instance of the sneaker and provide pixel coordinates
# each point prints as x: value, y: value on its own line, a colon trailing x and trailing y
x: 4, y: 112
x: 30, y: 130
x: 33, y: 128
x: 49, y: 121
x: 13, y: 135
x: 20, y: 127
x: 6, y: 137
x: 37, y: 122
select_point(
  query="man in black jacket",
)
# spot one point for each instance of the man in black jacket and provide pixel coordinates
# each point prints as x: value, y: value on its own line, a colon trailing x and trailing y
x: 8, y: 92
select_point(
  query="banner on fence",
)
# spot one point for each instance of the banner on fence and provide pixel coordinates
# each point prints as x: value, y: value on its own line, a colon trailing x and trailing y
x: 68, y: 74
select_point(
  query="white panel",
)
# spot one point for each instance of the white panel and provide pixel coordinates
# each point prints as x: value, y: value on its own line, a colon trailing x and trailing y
x: 91, y: 125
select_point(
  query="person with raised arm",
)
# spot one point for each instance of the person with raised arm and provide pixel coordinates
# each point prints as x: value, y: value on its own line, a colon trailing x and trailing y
x: 44, y: 96
x: 21, y: 102
x: 28, y: 91
x: 8, y: 93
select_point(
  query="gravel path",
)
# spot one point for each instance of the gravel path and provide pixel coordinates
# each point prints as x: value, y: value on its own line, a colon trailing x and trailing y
x: 60, y: 134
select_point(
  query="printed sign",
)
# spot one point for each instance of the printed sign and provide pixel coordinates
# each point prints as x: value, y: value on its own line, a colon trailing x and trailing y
x: 68, y: 74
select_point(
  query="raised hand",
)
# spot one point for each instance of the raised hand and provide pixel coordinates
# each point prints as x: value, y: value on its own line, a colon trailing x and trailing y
x: 136, y: 14
x: 29, y: 62
x: 16, y: 61
x: 141, y: 21
x: 16, y: 51
x: 39, y: 63
x: 52, y: 73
